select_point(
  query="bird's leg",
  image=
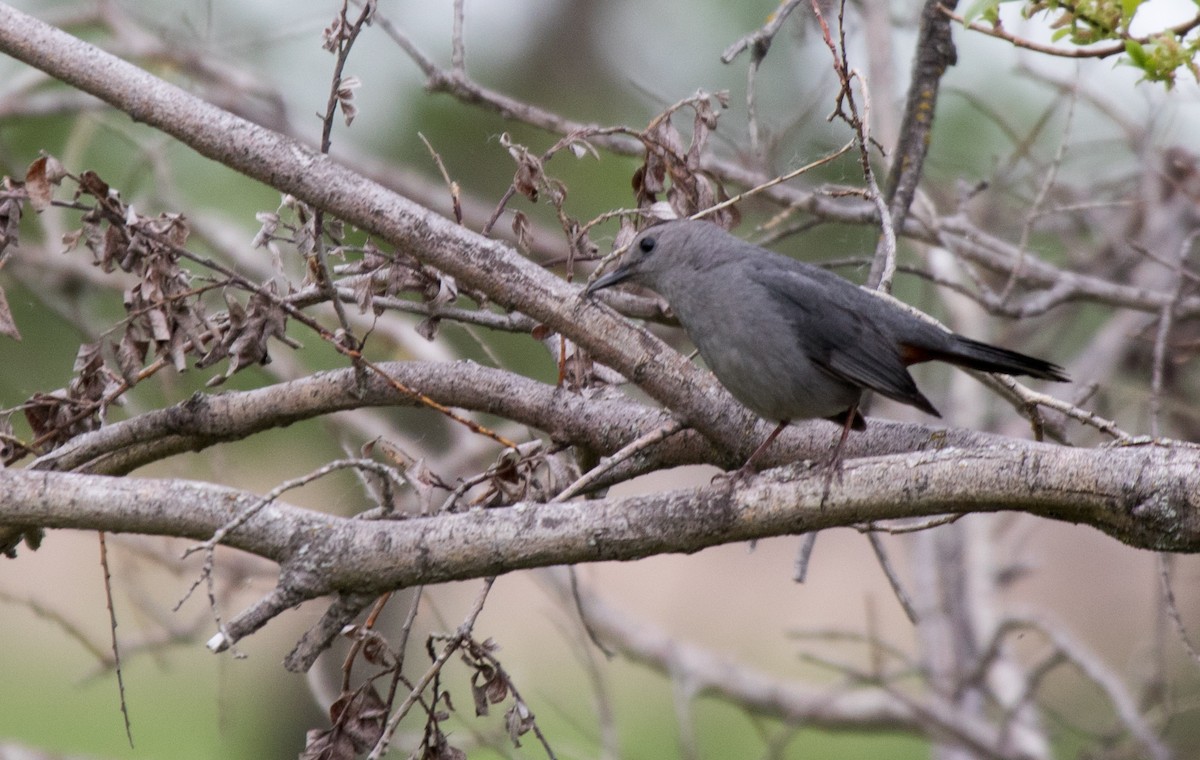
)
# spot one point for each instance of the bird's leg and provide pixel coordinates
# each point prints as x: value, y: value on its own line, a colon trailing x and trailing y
x: 747, y: 469
x: 835, y: 462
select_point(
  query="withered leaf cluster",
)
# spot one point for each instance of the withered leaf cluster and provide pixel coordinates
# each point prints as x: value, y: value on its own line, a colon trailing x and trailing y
x: 165, y: 319
x: 357, y: 720
x: 668, y: 158
x: 164, y: 315
x: 242, y: 336
x: 59, y: 416
x: 378, y: 274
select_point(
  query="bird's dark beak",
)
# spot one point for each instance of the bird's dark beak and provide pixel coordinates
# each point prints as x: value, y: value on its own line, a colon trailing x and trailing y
x: 620, y: 274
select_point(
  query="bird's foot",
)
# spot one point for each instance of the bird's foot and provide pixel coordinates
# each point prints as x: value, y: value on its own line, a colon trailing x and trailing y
x: 735, y: 477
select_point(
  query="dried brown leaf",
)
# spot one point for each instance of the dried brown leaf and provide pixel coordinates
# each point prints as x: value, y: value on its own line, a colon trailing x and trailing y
x: 91, y: 184
x: 388, y: 449
x: 530, y: 174
x: 131, y: 356
x: 497, y: 689
x: 364, y: 294
x: 428, y: 328
x: 479, y: 696
x: 269, y: 225
x: 359, y: 716
x: 10, y: 222
x: 37, y: 185
x: 8, y: 325
x: 345, y: 97
x: 327, y: 744
x: 518, y: 720
x: 521, y: 228
x: 438, y: 748
x: 71, y: 240
x: 581, y: 148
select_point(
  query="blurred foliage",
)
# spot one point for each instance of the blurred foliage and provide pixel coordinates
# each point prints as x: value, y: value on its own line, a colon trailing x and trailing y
x: 1159, y: 55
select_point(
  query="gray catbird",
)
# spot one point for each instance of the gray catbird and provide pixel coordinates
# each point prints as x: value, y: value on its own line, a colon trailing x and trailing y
x: 790, y: 340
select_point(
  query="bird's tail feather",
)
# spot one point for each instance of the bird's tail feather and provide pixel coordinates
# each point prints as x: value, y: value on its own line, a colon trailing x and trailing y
x: 973, y: 354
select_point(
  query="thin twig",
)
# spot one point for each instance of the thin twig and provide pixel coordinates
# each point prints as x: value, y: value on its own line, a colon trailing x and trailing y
x: 1092, y: 668
x: 116, y: 648
x: 663, y: 432
x: 902, y: 596
x: 451, y: 185
x: 346, y: 36
x: 1164, y: 575
x: 807, y: 544
x: 773, y: 182
x: 758, y: 43
x: 1163, y: 334
x: 1039, y: 199
x: 244, y: 516
x: 451, y: 646
x: 458, y: 47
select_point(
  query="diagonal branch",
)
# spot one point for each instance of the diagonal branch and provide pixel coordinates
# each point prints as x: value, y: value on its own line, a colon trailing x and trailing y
x: 291, y: 167
x: 935, y: 53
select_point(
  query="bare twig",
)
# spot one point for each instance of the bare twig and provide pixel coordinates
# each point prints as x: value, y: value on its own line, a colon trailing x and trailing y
x: 800, y: 569
x: 1035, y: 207
x: 448, y: 649
x: 341, y: 40
x: 902, y: 596
x: 1164, y: 575
x: 667, y: 430
x: 116, y: 649
x: 1091, y: 667
x: 758, y: 43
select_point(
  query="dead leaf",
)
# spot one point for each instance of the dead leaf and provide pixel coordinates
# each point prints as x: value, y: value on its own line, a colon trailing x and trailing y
x: 38, y: 186
x: 519, y: 721
x: 8, y: 325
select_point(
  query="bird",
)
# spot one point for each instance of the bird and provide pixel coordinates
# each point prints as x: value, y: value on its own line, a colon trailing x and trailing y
x: 790, y: 340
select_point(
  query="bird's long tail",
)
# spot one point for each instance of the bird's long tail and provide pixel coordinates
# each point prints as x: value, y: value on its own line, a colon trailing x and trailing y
x: 973, y: 354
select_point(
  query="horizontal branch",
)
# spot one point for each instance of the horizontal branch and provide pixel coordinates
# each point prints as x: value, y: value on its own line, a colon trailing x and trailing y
x: 205, y: 420
x: 602, y: 423
x: 1146, y: 496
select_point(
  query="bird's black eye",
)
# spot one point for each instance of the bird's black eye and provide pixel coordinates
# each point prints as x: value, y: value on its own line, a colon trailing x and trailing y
x: 647, y: 244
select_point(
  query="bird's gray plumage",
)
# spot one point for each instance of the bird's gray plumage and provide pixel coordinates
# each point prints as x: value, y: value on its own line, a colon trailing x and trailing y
x: 791, y: 340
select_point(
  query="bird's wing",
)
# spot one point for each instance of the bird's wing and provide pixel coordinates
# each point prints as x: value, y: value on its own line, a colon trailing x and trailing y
x: 879, y: 369
x: 837, y: 336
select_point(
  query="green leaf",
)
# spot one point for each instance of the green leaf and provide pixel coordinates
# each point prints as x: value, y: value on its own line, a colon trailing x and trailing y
x: 980, y: 7
x: 1136, y: 53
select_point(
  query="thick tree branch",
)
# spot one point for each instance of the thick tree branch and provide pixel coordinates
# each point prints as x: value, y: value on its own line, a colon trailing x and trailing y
x: 208, y: 419
x: 1146, y: 496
